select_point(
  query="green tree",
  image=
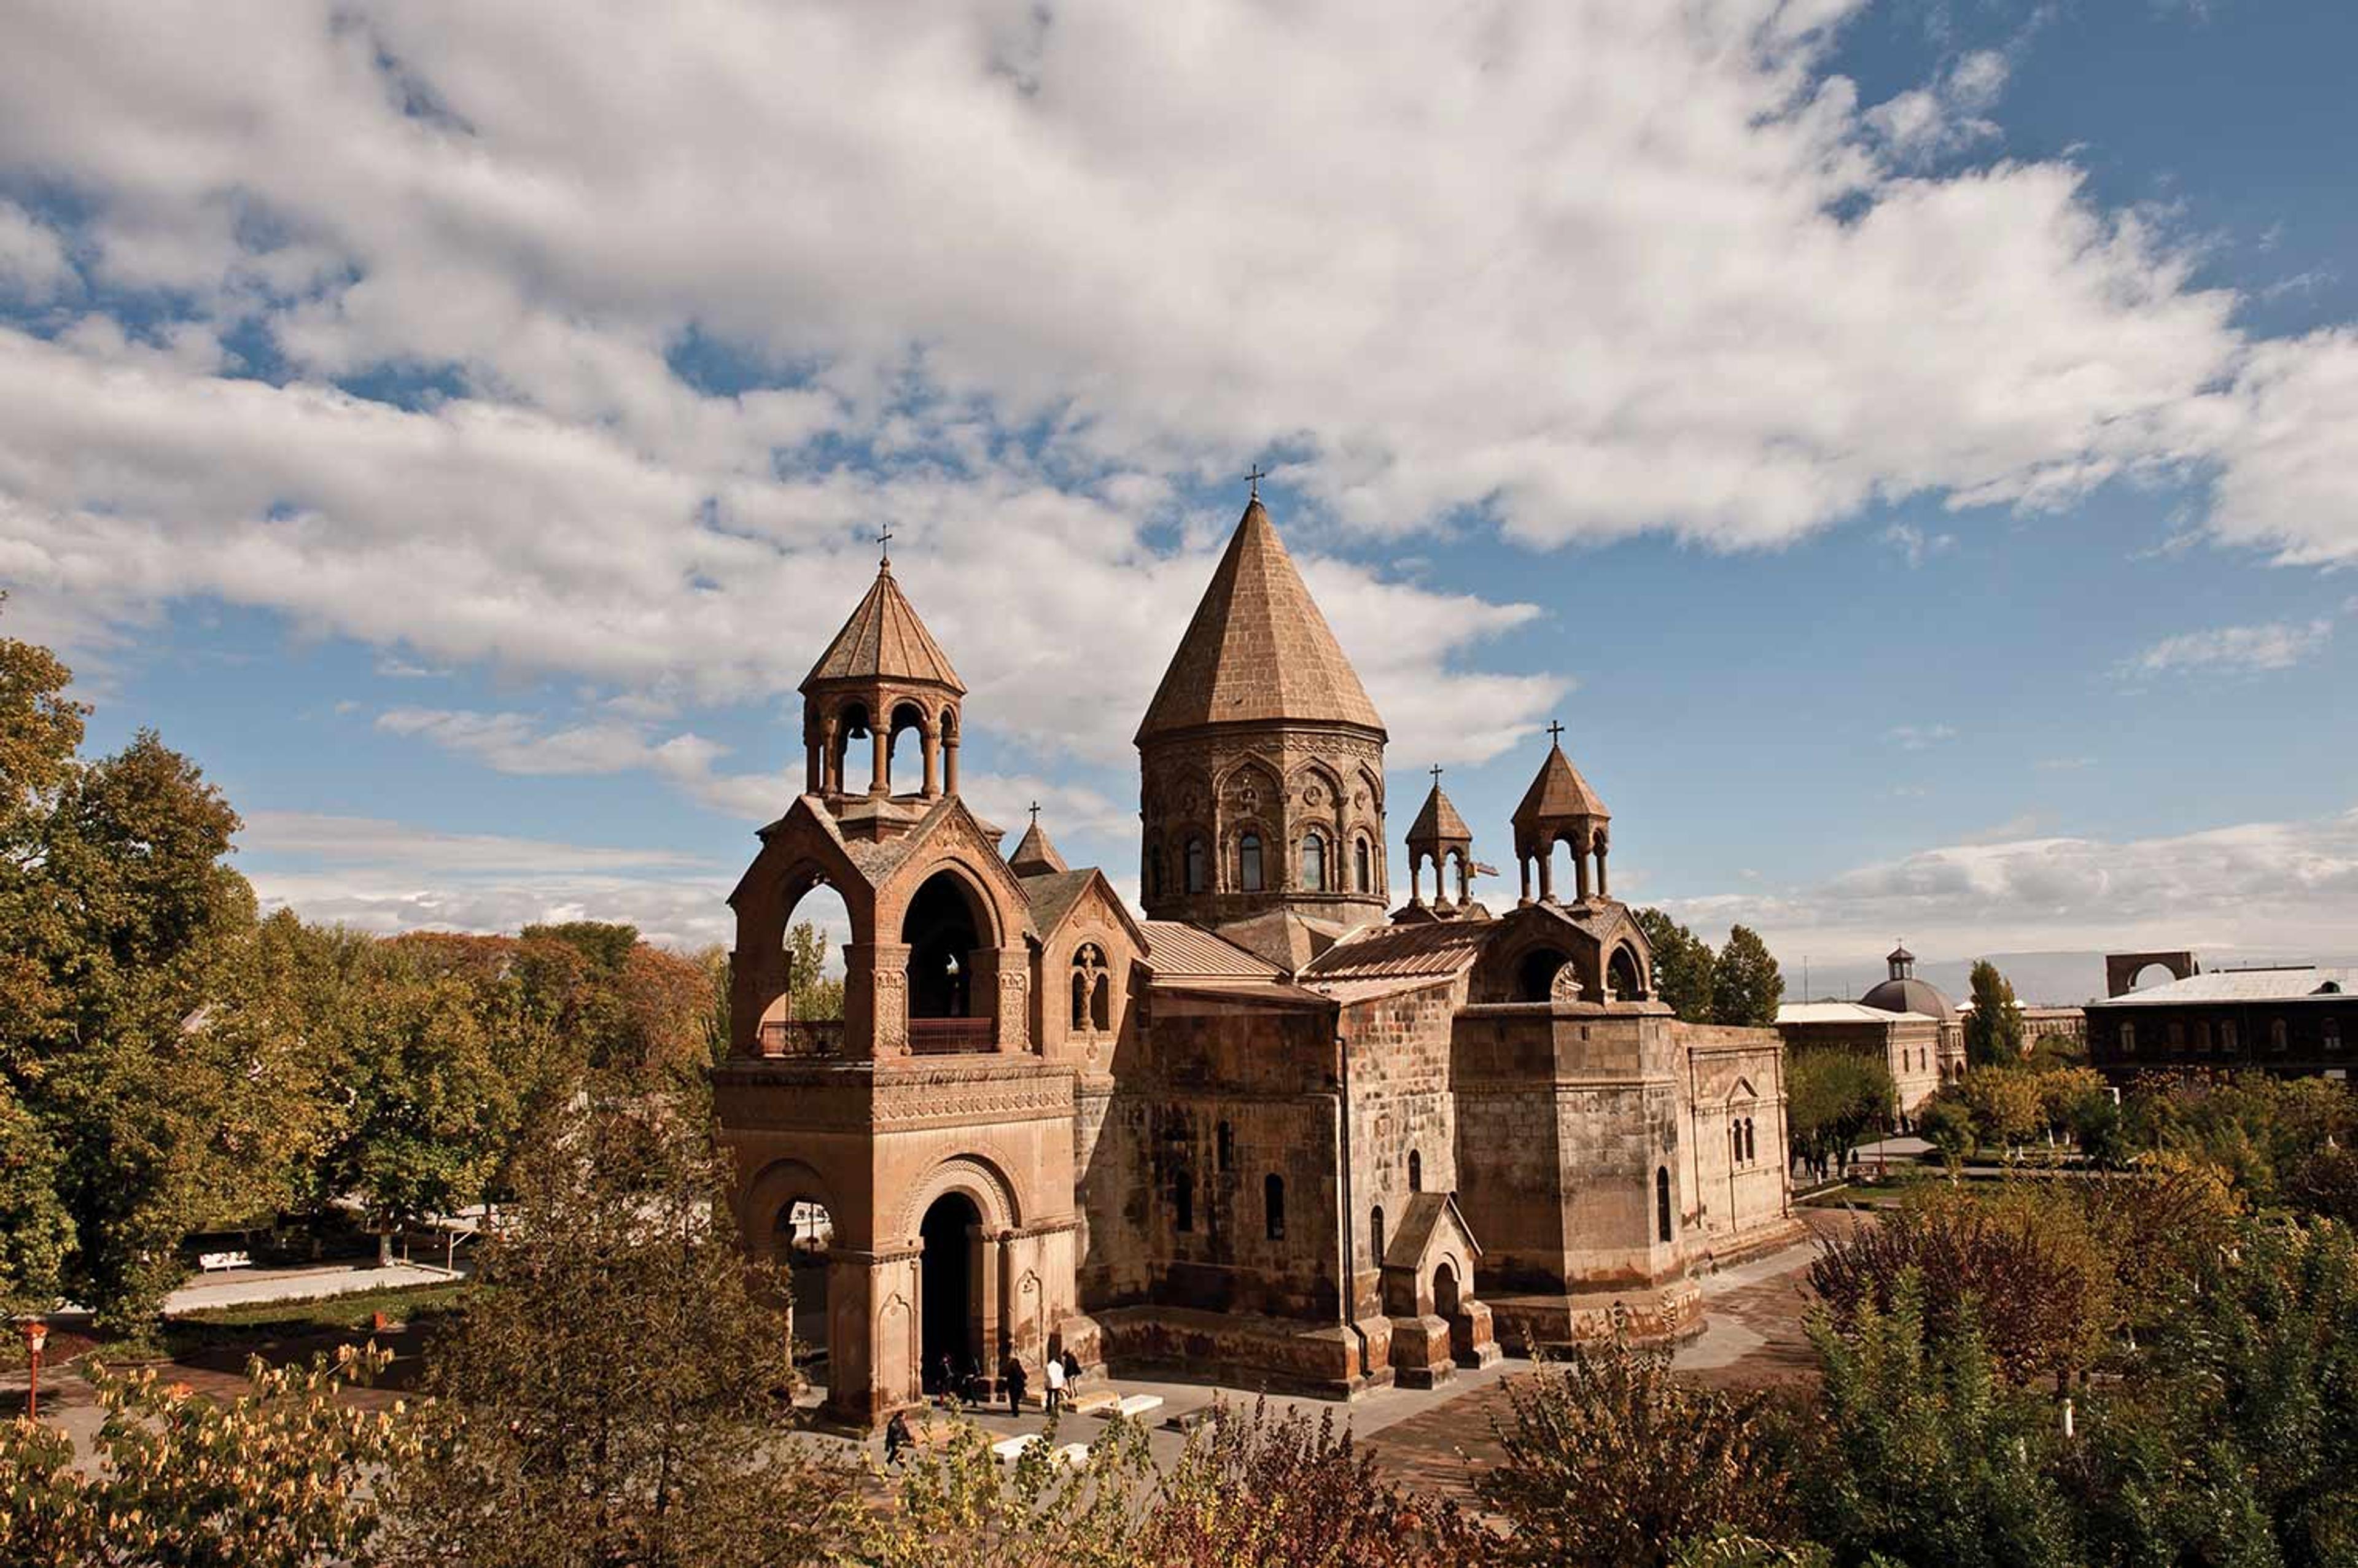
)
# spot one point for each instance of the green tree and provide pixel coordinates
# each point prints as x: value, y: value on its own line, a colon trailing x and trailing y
x: 1683, y: 966
x: 1994, y: 1030
x: 1834, y: 1098
x: 1611, y: 1460
x: 1923, y: 1454
x: 35, y: 1231
x: 815, y: 995
x: 616, y: 1390
x: 1747, y: 985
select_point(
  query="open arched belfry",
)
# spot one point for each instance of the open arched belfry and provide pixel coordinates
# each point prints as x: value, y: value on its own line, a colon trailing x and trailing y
x: 1265, y: 1132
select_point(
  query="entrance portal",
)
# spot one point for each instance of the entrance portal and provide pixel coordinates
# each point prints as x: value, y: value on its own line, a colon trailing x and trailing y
x: 951, y: 1233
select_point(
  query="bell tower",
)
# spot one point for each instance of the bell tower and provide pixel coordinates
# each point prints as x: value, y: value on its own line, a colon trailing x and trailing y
x: 1560, y: 807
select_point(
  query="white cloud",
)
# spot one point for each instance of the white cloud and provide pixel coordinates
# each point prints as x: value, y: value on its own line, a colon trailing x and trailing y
x: 1914, y: 544
x: 1921, y: 737
x: 2274, y: 645
x: 2274, y: 887
x: 521, y: 743
x: 32, y: 256
x: 1944, y: 116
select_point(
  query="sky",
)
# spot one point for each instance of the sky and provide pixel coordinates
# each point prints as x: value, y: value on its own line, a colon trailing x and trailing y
x: 1909, y: 446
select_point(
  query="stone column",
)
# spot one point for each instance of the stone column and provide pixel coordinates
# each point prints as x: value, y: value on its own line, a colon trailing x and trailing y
x: 950, y: 764
x: 1601, y: 888
x: 872, y: 1334
x: 1002, y: 982
x: 933, y: 739
x: 831, y: 760
x: 880, y: 783
x: 876, y: 1000
x: 1523, y: 864
x: 1547, y: 872
x: 813, y: 767
x: 1580, y: 866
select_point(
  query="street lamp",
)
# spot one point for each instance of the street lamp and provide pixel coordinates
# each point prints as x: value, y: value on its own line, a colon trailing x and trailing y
x: 37, y: 1333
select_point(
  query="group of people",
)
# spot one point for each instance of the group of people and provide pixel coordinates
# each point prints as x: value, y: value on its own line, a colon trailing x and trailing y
x: 1062, y: 1371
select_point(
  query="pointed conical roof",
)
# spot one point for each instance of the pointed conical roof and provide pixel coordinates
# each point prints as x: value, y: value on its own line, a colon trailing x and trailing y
x: 1558, y: 793
x: 884, y: 640
x: 1258, y: 650
x: 1439, y: 823
x: 1035, y: 856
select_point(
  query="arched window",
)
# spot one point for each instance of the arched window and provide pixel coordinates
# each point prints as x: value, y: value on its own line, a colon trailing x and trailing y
x: 2277, y: 1039
x: 1101, y: 1004
x: 1363, y: 867
x: 1376, y: 1235
x: 2128, y: 1039
x: 1314, y: 862
x: 1272, y: 1205
x: 1735, y: 1140
x: 1183, y: 1199
x: 1415, y: 1171
x: 1751, y: 1149
x: 1227, y: 1143
x: 1198, y: 866
x: 1154, y: 871
x: 1088, y: 986
x: 1662, y: 1201
x: 2333, y: 1029
x: 1248, y: 862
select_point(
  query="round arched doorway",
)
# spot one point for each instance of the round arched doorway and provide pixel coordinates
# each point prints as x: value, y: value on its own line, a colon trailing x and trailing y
x: 805, y: 1231
x: 949, y: 1334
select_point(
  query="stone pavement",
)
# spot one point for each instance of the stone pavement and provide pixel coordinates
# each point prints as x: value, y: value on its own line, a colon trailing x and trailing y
x: 251, y: 1287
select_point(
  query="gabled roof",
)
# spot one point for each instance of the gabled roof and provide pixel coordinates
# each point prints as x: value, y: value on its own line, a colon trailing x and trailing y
x: 1401, y: 952
x: 1439, y: 821
x: 1258, y: 650
x: 1178, y: 951
x: 884, y: 640
x: 1056, y: 895
x: 1427, y: 1214
x: 1805, y: 1013
x: 1035, y: 856
x: 1558, y: 792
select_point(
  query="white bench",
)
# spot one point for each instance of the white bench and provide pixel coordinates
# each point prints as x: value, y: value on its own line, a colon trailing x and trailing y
x: 1096, y: 1402
x: 1008, y: 1450
x: 1136, y: 1405
x: 210, y: 1261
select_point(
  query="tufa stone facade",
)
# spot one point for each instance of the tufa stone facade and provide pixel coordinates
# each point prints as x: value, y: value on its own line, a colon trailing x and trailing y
x: 1265, y: 1133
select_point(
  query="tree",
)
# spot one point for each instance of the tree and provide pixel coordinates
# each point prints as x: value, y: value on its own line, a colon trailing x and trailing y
x: 1994, y: 1032
x: 278, y: 1478
x: 1745, y: 982
x: 1611, y: 1460
x: 1922, y: 1453
x: 815, y: 995
x: 1834, y: 1098
x: 1684, y: 963
x: 615, y: 1391
x: 34, y: 1229
x: 2004, y: 1102
x: 2024, y: 1267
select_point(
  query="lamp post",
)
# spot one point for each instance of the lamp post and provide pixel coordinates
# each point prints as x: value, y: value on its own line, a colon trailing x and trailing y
x: 37, y: 1333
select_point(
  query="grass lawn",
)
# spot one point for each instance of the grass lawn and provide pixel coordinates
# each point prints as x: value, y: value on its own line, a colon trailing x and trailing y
x: 267, y: 1321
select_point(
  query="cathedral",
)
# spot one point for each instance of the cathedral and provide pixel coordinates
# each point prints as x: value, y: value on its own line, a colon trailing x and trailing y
x: 1269, y: 1128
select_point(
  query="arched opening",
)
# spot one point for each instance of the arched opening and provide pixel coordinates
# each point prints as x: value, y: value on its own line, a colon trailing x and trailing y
x: 1199, y: 860
x: 1155, y: 871
x: 1225, y: 1141
x: 1376, y: 1236
x: 1088, y: 988
x: 2151, y: 975
x: 1623, y: 977
x: 854, y: 734
x: 1314, y: 862
x: 1249, y: 861
x: 949, y: 750
x: 1445, y: 1305
x: 1415, y: 1171
x: 1183, y: 1199
x: 1535, y: 975
x: 1662, y: 1202
x: 1363, y: 875
x: 1751, y: 1149
x: 1101, y: 1003
x: 803, y: 1231
x: 950, y: 1333
x: 906, y: 717
x: 944, y: 932
x: 1272, y: 1204
x: 805, y: 1018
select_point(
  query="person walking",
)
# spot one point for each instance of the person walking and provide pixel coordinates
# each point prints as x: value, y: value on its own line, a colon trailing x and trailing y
x: 1056, y: 1370
x: 896, y: 1439
x: 1072, y: 1372
x: 1012, y: 1375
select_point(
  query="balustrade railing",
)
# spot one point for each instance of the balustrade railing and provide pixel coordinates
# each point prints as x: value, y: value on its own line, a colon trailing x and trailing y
x: 802, y: 1037
x: 948, y: 1036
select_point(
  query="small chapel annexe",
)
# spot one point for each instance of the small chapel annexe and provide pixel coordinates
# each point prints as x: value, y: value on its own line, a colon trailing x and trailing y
x: 1271, y: 1129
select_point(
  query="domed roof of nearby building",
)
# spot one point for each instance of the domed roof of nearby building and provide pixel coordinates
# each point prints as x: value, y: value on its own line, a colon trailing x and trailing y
x: 1258, y: 650
x: 884, y: 640
x: 1908, y: 994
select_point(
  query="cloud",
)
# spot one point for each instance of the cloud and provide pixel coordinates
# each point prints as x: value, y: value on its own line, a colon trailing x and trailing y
x: 524, y: 743
x: 1948, y: 115
x: 2274, y: 645
x: 2278, y: 887
x: 33, y: 262
x: 2064, y: 764
x: 1921, y: 737
x: 1914, y: 544
x: 388, y: 877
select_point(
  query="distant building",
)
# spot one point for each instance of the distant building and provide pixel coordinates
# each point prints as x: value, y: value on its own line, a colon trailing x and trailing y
x: 2296, y: 1021
x: 1906, y: 1022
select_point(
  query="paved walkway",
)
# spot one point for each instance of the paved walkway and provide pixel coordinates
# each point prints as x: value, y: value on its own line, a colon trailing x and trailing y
x: 252, y: 1287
